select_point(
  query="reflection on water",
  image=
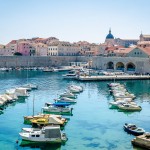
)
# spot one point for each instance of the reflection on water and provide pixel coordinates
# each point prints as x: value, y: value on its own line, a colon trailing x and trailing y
x: 41, y: 146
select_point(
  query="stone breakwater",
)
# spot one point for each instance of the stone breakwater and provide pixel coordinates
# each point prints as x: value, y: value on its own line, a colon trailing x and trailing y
x: 142, y: 65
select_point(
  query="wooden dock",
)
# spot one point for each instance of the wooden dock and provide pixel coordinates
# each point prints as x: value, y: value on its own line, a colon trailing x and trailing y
x: 116, y: 77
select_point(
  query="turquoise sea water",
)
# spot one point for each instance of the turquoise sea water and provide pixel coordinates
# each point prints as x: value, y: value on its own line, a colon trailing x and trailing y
x: 92, y: 126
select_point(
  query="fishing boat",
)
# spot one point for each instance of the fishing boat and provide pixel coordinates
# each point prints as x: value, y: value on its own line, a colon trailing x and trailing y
x: 130, y: 107
x: 133, y: 129
x: 68, y: 94
x: 51, y: 120
x: 49, y: 134
x: 28, y: 119
x: 61, y: 108
x: 65, y: 100
x: 142, y: 141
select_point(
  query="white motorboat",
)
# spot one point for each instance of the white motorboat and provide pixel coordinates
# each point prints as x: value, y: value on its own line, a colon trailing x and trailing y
x: 9, y: 98
x: 80, y: 88
x: 117, y: 103
x: 48, y: 69
x: 68, y: 94
x: 16, y: 92
x: 74, y: 90
x: 113, y: 84
x: 65, y: 100
x: 3, y: 100
x: 130, y: 107
x: 124, y: 95
x: 69, y: 76
x: 22, y: 92
x: 57, y: 108
x: 30, y: 86
x: 49, y: 134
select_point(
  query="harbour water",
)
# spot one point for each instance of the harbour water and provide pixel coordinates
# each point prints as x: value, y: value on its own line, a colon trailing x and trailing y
x: 92, y: 126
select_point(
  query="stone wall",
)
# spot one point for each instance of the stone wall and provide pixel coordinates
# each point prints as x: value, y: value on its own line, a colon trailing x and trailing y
x: 97, y: 62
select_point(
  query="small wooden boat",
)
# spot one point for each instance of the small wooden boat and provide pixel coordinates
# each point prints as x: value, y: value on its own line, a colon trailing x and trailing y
x: 133, y: 129
x: 142, y: 141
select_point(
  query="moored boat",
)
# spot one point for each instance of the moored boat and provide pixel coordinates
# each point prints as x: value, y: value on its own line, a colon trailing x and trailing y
x: 61, y: 108
x: 51, y: 120
x: 65, y: 100
x: 28, y: 119
x: 47, y: 134
x: 117, y: 103
x: 68, y: 94
x: 69, y: 76
x: 30, y: 86
x: 133, y: 129
x: 79, y: 88
x: 130, y: 107
x: 142, y: 141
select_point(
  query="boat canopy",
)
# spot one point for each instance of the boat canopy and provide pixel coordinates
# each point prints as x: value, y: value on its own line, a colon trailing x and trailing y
x: 61, y: 104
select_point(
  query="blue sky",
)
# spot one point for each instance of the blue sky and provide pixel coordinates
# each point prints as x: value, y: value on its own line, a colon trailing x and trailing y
x: 73, y: 20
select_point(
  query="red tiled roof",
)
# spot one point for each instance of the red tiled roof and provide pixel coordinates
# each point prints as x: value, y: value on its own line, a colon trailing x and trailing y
x: 124, y: 50
x: 146, y: 50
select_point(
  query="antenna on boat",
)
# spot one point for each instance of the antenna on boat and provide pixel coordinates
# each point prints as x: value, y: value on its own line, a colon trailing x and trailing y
x: 27, y: 71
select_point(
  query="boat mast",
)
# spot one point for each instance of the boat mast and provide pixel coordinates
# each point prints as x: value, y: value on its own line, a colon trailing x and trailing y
x: 33, y: 103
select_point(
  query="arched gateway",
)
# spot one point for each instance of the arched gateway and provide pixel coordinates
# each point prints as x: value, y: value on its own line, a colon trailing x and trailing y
x: 110, y: 65
x: 120, y: 66
x: 130, y: 67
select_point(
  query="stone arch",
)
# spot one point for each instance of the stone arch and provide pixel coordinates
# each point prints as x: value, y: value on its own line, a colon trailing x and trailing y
x: 130, y: 66
x: 110, y: 65
x: 120, y: 66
